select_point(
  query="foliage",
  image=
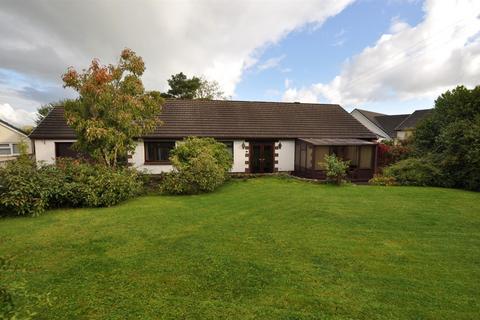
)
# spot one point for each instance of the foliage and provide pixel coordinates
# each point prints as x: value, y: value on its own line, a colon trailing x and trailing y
x: 389, y: 153
x: 451, y: 137
x: 382, y: 180
x: 16, y: 301
x: 113, y: 107
x: 413, y: 172
x: 200, y: 165
x: 336, y: 169
x: 22, y: 189
x: 30, y: 190
x: 209, y: 90
x: 181, y: 87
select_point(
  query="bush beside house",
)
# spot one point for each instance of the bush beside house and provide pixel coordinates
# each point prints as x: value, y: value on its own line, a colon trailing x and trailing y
x: 200, y: 165
x: 26, y: 189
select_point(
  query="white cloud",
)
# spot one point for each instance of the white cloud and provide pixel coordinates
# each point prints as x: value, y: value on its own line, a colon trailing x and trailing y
x: 218, y: 39
x: 18, y: 117
x: 412, y: 61
x: 299, y: 95
x: 271, y: 63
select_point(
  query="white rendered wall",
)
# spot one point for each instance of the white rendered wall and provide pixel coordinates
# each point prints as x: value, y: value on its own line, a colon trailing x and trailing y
x: 286, y: 155
x: 369, y: 125
x: 239, y: 156
x: 45, y: 150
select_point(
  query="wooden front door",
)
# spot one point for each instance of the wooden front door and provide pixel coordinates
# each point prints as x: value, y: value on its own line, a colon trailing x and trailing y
x: 261, y: 157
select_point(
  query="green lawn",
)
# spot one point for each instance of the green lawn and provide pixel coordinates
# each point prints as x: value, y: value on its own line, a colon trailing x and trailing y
x: 266, y: 248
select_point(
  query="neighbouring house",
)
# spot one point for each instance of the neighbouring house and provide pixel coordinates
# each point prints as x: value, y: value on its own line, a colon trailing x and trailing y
x: 10, y: 139
x: 382, y: 125
x: 396, y: 127
x: 263, y: 137
x: 406, y: 128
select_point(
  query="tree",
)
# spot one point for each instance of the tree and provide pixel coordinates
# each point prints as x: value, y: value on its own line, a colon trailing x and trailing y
x: 451, y: 136
x: 209, y: 90
x: 113, y: 107
x: 181, y: 87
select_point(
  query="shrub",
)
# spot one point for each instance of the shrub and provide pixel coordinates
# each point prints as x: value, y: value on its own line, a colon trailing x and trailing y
x: 200, y: 165
x: 22, y: 189
x: 336, y: 169
x: 28, y: 190
x: 381, y: 180
x: 414, y: 172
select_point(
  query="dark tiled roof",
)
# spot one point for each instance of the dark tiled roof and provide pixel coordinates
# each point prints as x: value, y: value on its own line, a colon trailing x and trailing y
x: 412, y: 121
x: 12, y: 127
x: 235, y: 119
x: 389, y: 123
x: 337, y: 142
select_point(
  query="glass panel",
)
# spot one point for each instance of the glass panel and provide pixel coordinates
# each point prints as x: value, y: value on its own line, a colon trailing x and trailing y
x: 309, y: 157
x: 4, y: 145
x: 158, y: 151
x: 351, y: 154
x: 5, y: 152
x: 366, y: 153
x: 267, y: 158
x: 15, y: 149
x: 320, y: 153
x: 303, y: 155
x: 297, y: 154
x: 255, y: 158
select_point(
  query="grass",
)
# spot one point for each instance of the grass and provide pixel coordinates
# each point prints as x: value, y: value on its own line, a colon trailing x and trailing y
x: 266, y: 248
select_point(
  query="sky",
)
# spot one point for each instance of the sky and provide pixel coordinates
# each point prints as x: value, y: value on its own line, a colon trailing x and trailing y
x: 389, y: 56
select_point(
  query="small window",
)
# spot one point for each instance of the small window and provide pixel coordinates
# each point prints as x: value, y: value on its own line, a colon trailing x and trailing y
x: 5, y: 149
x: 15, y: 149
x: 158, y: 151
x: 229, y: 145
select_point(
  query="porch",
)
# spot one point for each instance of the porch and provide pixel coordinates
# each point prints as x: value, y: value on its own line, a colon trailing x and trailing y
x: 310, y: 153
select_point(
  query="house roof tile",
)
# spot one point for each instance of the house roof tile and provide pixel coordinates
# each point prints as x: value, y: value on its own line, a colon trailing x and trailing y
x: 234, y: 119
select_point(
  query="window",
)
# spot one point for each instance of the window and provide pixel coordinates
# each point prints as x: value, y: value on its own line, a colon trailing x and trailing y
x: 320, y: 153
x: 158, y: 151
x: 366, y: 153
x: 9, y: 149
x: 297, y: 154
x: 309, y: 157
x: 229, y: 145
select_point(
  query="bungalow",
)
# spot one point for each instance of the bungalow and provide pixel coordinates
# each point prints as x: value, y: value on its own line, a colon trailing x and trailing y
x: 10, y: 139
x: 263, y: 137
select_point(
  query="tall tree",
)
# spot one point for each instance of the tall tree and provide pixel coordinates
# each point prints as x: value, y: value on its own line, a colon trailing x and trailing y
x: 182, y: 87
x: 209, y: 90
x: 451, y: 136
x: 113, y: 107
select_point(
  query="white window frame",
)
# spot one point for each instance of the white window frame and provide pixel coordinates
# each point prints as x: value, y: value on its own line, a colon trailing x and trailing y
x: 10, y: 147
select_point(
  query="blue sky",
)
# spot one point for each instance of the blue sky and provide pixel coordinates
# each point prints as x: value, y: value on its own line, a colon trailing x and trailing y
x: 317, y: 54
x: 390, y: 56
